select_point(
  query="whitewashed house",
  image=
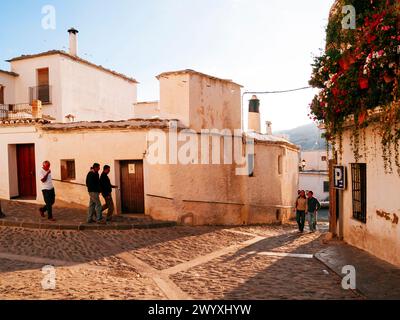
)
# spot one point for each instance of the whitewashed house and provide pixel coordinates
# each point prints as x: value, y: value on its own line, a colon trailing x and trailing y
x: 314, y: 175
x: 90, y: 114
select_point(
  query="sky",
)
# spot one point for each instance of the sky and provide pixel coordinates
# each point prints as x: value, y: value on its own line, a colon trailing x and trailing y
x: 264, y: 45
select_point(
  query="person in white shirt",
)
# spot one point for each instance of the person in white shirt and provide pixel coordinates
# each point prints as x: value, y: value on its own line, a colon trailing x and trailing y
x: 48, y: 191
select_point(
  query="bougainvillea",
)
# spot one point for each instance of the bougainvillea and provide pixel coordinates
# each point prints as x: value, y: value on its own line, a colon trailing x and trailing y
x: 358, y: 74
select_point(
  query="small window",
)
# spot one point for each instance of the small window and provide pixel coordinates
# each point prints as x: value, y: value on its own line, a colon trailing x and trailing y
x: 68, y: 170
x: 326, y: 186
x: 359, y: 190
x: 324, y: 158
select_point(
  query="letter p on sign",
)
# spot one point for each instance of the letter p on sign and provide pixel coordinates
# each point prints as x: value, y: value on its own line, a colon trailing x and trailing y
x: 339, y: 177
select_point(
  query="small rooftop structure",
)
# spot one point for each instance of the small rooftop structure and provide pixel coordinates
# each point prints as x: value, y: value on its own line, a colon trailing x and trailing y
x: 190, y: 71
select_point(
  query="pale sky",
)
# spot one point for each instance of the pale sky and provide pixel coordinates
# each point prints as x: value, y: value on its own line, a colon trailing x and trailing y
x: 265, y: 45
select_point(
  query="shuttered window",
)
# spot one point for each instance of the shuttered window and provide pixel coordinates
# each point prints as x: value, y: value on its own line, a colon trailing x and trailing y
x: 68, y: 170
x: 359, y: 191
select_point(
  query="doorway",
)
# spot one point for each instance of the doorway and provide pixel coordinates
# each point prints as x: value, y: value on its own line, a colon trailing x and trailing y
x: 26, y: 171
x: 132, y: 186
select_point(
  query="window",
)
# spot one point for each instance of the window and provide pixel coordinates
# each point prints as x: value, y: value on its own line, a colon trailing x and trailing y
x: 326, y: 186
x: 324, y: 158
x: 359, y: 189
x: 42, y: 91
x: 68, y: 170
x: 1, y: 94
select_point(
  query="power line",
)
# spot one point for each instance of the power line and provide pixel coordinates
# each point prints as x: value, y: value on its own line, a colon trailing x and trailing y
x: 273, y: 92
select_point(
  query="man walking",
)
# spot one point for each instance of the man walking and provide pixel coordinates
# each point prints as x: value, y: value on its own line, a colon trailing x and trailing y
x: 106, y: 189
x: 48, y: 191
x: 301, y: 209
x: 93, y: 186
x: 313, y: 206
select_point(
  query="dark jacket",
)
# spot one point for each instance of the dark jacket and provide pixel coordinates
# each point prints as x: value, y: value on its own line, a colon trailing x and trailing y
x: 313, y: 205
x: 105, y: 184
x: 93, y: 182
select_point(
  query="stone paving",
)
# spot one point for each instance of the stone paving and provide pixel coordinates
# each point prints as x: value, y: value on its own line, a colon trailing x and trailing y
x: 375, y: 278
x: 69, y: 217
x: 263, y: 262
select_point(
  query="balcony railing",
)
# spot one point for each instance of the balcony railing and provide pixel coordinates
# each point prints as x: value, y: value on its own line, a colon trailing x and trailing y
x: 19, y: 111
x: 42, y: 93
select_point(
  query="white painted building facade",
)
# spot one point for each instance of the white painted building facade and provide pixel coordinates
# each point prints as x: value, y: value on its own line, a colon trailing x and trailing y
x: 313, y: 175
x: 195, y: 192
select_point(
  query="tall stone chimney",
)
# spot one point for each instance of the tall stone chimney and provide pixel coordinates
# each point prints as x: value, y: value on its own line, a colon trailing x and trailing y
x: 254, y: 115
x: 73, y: 42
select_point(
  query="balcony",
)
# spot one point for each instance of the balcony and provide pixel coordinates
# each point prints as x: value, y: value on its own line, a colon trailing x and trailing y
x: 42, y: 93
x: 21, y: 111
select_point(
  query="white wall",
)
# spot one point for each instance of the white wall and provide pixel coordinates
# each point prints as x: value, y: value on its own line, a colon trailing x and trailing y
x: 86, y: 92
x: 27, y: 70
x: 8, y: 82
x: 314, y: 160
x: 147, y: 110
x: 379, y: 236
x: 200, y: 102
x: 94, y: 95
x: 310, y: 181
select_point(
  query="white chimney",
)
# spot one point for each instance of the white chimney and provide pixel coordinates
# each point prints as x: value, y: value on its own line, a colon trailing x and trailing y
x: 254, y: 115
x: 73, y: 42
x: 269, y: 128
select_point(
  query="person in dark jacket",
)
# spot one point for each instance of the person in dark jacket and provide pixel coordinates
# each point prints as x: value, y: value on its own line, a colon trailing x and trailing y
x: 94, y: 189
x: 106, y: 192
x: 313, y: 206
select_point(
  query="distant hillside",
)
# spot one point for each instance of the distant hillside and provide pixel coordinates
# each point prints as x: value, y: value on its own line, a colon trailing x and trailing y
x: 308, y: 137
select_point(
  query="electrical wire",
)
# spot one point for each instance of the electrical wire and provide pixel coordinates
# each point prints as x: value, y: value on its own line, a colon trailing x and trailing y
x: 272, y: 92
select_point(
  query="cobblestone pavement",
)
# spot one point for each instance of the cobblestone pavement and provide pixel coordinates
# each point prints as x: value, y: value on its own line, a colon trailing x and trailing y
x: 265, y: 262
x: 69, y: 217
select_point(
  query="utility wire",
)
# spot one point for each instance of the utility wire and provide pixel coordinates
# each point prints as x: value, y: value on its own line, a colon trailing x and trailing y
x: 272, y: 92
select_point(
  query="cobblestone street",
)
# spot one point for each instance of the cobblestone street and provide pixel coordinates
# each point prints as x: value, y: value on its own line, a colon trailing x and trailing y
x: 273, y: 262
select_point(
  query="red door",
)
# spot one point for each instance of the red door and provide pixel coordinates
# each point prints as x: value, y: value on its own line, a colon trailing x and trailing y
x: 26, y: 170
x: 132, y: 186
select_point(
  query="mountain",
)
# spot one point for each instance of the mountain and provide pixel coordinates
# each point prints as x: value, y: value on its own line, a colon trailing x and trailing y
x: 308, y: 137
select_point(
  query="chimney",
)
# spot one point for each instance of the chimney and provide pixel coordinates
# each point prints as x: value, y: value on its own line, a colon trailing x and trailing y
x: 73, y: 42
x: 269, y: 128
x: 254, y: 115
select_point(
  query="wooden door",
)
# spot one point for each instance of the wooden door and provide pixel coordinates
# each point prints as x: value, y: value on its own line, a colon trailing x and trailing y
x: 132, y: 186
x: 1, y: 94
x: 26, y: 170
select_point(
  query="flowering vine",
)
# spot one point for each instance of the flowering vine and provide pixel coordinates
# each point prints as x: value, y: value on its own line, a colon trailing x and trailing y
x: 358, y: 76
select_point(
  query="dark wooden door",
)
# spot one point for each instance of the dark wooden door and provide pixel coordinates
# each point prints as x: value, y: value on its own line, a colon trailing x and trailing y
x: 132, y: 186
x: 26, y: 170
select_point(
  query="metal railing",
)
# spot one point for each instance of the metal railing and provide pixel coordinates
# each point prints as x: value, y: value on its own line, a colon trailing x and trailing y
x: 42, y: 93
x: 15, y: 111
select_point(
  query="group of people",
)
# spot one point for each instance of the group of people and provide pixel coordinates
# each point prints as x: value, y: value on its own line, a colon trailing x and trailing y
x: 307, y: 206
x: 95, y: 184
